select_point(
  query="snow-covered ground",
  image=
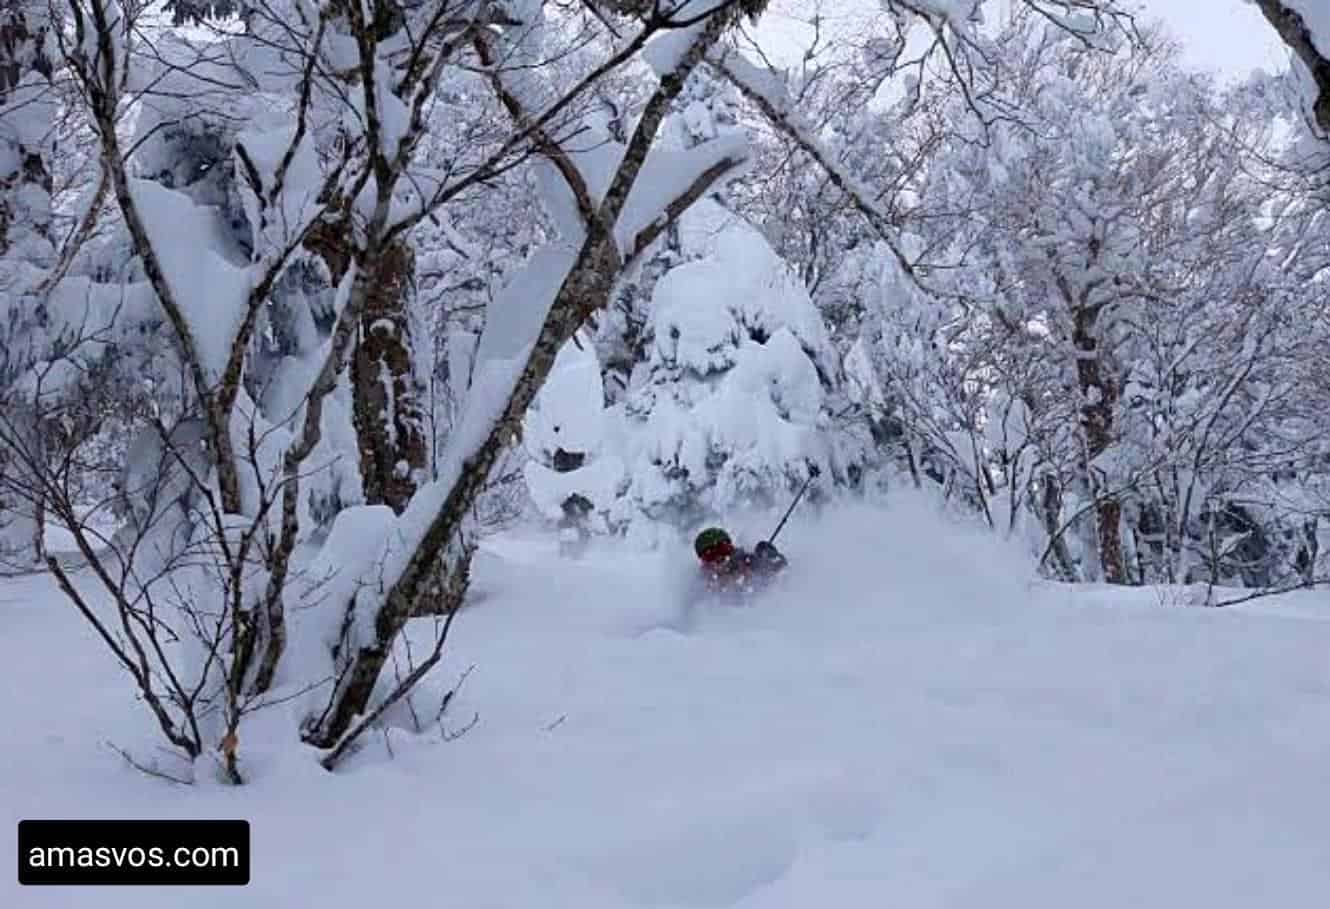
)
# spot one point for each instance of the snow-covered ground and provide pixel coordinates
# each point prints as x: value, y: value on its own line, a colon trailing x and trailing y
x: 909, y: 722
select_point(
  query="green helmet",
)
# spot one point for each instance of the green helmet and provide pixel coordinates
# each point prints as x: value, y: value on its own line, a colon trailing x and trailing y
x: 709, y: 539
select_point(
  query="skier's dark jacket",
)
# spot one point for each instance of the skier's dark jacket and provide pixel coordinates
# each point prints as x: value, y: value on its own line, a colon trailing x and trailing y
x: 740, y: 571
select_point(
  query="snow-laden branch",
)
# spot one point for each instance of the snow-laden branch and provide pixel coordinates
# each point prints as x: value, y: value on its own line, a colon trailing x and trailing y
x: 766, y: 92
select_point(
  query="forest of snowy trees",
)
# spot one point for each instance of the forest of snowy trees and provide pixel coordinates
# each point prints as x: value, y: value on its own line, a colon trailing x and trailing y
x: 292, y: 285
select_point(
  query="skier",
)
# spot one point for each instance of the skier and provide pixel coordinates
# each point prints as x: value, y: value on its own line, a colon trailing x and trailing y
x: 728, y: 569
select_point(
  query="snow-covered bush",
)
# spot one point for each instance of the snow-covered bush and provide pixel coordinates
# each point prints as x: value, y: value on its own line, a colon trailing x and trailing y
x: 573, y: 479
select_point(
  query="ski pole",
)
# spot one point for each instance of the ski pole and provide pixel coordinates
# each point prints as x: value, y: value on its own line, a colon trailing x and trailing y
x: 813, y: 471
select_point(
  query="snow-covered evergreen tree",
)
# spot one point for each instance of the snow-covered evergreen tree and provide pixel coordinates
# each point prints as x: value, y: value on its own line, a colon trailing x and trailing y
x: 727, y: 409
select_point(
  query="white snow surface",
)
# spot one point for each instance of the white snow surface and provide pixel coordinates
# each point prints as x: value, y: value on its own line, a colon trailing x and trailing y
x: 908, y: 721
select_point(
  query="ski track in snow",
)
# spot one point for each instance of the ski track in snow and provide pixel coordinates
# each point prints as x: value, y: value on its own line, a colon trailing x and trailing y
x: 906, y: 721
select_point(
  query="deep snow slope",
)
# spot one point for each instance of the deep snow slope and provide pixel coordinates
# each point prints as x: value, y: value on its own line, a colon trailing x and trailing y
x: 908, y: 722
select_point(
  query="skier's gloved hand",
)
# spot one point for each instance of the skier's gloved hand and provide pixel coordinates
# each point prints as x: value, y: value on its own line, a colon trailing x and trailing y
x: 767, y: 551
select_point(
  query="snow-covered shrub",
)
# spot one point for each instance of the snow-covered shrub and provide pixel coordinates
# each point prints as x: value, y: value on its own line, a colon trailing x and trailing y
x: 573, y: 481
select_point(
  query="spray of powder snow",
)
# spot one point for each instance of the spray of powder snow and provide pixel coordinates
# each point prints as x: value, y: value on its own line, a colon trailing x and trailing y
x: 844, y: 559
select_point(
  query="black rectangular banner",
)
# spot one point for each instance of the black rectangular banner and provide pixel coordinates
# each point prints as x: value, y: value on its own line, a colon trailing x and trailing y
x: 133, y: 852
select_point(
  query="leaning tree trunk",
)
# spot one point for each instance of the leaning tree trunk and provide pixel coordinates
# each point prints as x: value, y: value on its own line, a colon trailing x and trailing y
x: 1296, y: 35
x: 585, y: 290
